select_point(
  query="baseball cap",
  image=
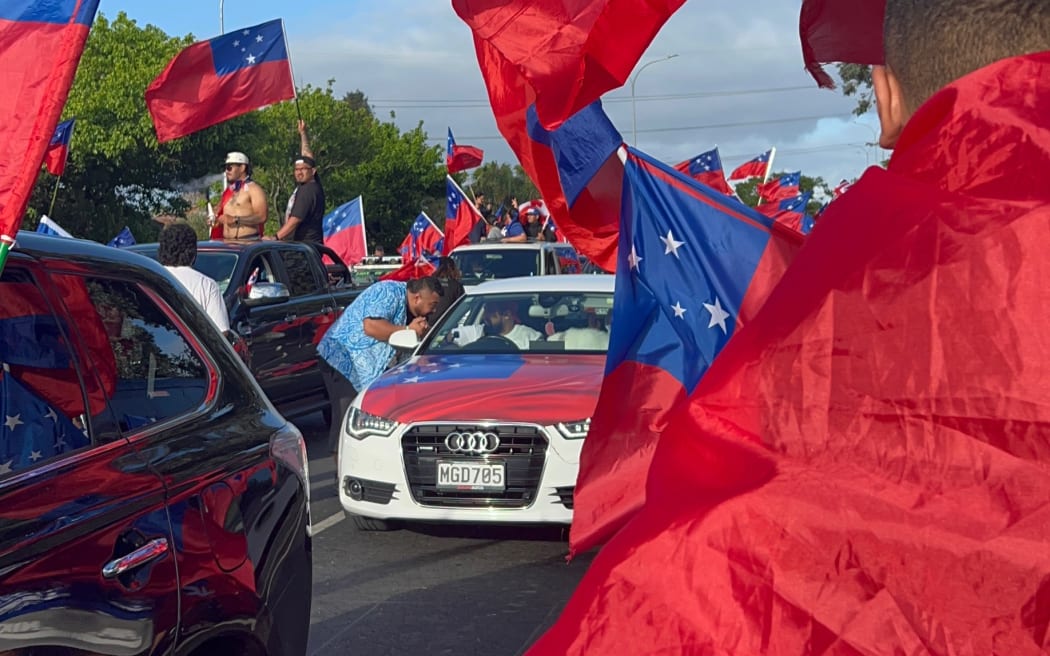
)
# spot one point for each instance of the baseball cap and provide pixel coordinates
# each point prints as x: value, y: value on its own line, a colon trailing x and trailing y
x: 237, y: 158
x: 304, y: 159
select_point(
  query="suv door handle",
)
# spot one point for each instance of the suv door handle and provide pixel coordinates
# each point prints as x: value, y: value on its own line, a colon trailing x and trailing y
x: 147, y: 553
x: 328, y: 309
x: 290, y: 317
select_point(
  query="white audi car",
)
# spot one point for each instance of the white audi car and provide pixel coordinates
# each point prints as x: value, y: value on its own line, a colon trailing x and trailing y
x: 485, y: 421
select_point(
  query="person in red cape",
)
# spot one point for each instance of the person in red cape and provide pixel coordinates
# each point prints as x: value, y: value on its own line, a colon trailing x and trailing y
x: 865, y: 469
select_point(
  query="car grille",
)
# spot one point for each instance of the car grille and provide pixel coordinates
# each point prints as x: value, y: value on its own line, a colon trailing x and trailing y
x: 523, y: 449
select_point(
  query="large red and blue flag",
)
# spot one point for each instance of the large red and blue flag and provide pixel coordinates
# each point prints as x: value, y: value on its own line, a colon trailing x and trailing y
x: 706, y: 168
x: 34, y: 430
x: 757, y: 167
x: 40, y: 49
x: 215, y: 80
x: 460, y: 216
x: 781, y: 187
x: 344, y: 231
x: 58, y: 150
x: 552, y: 59
x: 460, y: 158
x: 693, y: 265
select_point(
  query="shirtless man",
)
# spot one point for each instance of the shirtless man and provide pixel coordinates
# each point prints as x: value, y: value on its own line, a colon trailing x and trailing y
x: 245, y: 211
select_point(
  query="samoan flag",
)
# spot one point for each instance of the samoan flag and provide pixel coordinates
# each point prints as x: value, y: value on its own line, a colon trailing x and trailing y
x: 460, y: 158
x: 752, y: 168
x: 58, y: 150
x: 32, y: 430
x: 460, y: 217
x: 344, y: 231
x: 779, y: 188
x: 789, y: 212
x: 693, y: 265
x: 706, y: 168
x: 124, y: 238
x: 424, y: 239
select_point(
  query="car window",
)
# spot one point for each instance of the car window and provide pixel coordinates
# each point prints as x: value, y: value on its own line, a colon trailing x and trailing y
x: 511, y: 323
x: 216, y: 265
x: 44, y: 406
x: 260, y: 270
x: 478, y: 265
x: 158, y: 373
x: 301, y: 278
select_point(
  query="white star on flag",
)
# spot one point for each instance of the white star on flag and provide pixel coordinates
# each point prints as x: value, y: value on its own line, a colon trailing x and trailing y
x: 35, y: 455
x: 251, y: 59
x: 671, y: 246
x: 412, y: 379
x: 633, y: 258
x: 259, y: 39
x: 13, y: 421
x: 246, y: 32
x: 679, y: 311
x: 237, y: 44
x: 718, y: 315
x: 51, y: 414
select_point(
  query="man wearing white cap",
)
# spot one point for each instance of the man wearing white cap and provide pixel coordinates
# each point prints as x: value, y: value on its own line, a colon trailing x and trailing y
x: 244, y: 207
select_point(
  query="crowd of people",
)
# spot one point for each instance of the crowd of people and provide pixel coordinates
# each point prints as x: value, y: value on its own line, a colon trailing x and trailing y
x: 507, y: 225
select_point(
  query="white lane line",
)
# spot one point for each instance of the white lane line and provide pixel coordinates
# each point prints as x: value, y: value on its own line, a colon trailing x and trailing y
x: 328, y: 522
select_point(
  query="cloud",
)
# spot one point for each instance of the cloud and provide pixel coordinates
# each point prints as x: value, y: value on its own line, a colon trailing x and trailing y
x: 737, y: 82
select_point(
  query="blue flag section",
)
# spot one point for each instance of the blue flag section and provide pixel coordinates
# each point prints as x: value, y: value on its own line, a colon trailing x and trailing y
x: 32, y: 430
x: 686, y: 261
x: 123, y: 238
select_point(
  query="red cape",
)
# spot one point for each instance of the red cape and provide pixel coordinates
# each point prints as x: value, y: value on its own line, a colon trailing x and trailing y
x: 865, y: 469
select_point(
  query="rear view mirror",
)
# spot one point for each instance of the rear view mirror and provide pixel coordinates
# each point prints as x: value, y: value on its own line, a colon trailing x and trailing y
x: 266, y: 293
x: 404, y: 340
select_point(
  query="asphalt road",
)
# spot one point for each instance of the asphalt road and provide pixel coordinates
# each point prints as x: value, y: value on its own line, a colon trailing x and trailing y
x: 428, y: 589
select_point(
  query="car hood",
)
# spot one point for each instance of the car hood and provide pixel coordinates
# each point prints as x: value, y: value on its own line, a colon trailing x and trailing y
x: 544, y: 389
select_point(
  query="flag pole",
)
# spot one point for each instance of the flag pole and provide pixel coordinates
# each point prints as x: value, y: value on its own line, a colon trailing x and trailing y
x: 54, y: 195
x: 364, y: 230
x: 432, y: 223
x: 769, y: 164
x: 291, y: 71
x: 463, y: 194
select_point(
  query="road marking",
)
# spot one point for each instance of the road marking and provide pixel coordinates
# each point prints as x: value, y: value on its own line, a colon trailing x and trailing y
x: 328, y: 522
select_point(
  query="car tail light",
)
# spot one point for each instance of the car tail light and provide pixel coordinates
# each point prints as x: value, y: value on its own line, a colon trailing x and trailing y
x: 289, y: 447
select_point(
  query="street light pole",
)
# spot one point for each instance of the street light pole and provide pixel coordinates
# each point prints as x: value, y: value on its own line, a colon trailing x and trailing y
x: 222, y: 30
x: 634, y: 109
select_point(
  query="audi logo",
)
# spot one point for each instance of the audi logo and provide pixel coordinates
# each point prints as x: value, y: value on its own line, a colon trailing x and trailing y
x: 477, y: 443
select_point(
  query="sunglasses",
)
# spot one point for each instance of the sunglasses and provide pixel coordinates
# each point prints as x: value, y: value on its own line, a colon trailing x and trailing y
x: 229, y: 167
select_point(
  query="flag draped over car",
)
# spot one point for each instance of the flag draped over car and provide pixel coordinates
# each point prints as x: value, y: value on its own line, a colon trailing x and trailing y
x: 215, y: 80
x: 552, y: 59
x: 344, y: 231
x: 39, y: 54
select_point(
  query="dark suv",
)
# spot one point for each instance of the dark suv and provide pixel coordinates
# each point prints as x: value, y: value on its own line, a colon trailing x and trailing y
x: 152, y: 501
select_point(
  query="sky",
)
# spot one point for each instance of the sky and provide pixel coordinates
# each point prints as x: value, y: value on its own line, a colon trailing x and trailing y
x: 718, y: 74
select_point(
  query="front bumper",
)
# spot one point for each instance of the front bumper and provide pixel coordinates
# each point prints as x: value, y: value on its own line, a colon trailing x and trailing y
x: 395, y: 478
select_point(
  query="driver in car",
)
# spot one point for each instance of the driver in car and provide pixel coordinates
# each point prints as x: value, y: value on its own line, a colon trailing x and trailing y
x: 500, y: 320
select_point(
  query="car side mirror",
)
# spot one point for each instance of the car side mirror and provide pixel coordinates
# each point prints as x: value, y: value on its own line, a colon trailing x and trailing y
x: 404, y: 340
x: 266, y: 293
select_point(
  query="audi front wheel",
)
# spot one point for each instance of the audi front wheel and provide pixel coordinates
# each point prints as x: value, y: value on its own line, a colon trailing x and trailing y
x: 373, y: 524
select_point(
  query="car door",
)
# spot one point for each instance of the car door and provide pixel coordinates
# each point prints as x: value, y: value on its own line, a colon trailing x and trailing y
x: 86, y: 542
x: 311, y: 310
x: 269, y: 331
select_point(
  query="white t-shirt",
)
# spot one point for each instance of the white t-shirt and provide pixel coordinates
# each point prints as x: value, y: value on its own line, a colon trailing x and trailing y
x: 521, y: 335
x: 588, y: 339
x: 205, y: 291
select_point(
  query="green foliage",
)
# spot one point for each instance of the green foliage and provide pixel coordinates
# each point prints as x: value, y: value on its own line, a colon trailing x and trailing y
x: 747, y: 190
x: 856, y: 81
x: 500, y: 181
x: 118, y: 175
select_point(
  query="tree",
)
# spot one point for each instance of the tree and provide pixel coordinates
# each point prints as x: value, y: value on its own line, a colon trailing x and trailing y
x: 856, y: 81
x: 117, y: 174
x: 747, y: 190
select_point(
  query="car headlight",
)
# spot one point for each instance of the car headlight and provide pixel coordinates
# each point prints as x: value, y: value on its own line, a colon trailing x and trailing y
x: 360, y: 424
x: 575, y: 430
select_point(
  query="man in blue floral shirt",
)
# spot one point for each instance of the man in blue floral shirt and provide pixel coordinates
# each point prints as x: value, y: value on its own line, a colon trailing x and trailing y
x: 354, y: 351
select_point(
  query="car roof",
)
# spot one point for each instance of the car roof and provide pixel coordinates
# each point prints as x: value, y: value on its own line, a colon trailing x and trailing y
x: 512, y: 246
x: 534, y: 284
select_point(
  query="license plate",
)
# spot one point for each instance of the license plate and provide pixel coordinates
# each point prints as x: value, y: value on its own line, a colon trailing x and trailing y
x: 473, y: 476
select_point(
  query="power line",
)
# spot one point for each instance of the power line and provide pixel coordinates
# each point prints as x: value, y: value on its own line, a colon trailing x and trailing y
x: 466, y: 103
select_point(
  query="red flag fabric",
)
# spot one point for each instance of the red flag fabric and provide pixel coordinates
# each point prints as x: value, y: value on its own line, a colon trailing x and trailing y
x: 865, y: 469
x: 58, y: 150
x: 781, y: 187
x: 569, y: 53
x: 840, y: 31
x: 39, y: 52
x: 460, y: 217
x: 752, y: 168
x: 213, y: 81
x: 706, y: 168
x: 460, y: 158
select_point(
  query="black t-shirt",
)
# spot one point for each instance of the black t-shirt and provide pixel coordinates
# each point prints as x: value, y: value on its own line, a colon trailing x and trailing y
x: 309, y: 208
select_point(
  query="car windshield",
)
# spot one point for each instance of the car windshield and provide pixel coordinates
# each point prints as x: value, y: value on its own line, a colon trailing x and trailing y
x: 217, y: 265
x: 545, y: 322
x: 477, y: 265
